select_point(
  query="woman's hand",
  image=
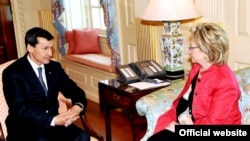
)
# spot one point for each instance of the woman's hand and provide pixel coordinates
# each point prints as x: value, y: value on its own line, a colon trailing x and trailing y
x: 171, y: 126
x: 185, y: 119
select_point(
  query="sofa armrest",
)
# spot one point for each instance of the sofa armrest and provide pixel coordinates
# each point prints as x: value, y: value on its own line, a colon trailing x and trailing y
x: 156, y: 103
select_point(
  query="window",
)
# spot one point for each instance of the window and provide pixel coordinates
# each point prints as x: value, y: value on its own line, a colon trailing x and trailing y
x: 84, y: 14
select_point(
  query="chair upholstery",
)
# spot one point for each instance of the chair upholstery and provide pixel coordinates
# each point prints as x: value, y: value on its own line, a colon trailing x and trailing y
x: 156, y: 103
x: 4, y: 108
x: 2, y: 137
x: 63, y: 105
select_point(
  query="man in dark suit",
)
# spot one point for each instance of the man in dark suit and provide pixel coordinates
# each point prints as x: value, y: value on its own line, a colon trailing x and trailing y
x: 33, y: 109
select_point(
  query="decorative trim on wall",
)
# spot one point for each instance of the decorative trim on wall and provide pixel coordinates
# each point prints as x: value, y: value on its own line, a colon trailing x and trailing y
x: 240, y: 65
x: 132, y: 52
x: 19, y: 25
x: 243, y: 22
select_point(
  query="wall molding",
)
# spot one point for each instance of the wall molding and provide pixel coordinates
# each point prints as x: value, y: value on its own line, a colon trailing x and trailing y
x: 19, y: 25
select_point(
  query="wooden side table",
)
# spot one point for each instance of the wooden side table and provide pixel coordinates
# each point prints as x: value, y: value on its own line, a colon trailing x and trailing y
x: 115, y: 94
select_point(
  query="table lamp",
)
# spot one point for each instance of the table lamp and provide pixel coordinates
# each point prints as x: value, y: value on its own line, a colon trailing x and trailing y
x: 171, y: 12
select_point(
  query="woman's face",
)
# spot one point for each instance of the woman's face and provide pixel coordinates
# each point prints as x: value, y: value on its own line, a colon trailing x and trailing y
x: 196, y: 55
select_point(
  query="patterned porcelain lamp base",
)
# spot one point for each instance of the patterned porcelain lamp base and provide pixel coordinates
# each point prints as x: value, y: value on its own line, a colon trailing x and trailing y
x: 172, y: 45
x: 175, y: 75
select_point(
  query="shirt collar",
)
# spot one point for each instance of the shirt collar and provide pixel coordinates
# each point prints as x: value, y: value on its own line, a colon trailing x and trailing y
x: 34, y: 65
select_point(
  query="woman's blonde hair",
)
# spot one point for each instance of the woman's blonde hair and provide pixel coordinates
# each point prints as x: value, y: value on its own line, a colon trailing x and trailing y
x: 212, y: 40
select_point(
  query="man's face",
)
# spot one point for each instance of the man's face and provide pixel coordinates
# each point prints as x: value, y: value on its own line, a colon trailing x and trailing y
x: 42, y: 52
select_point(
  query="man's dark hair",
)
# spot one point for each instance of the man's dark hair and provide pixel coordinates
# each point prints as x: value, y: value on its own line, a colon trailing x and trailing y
x: 33, y: 33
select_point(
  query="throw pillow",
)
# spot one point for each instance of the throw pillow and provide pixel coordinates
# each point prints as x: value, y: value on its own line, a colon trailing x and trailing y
x: 86, y: 41
x: 71, y: 42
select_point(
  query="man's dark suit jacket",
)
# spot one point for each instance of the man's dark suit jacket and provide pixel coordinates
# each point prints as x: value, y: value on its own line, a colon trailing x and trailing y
x: 28, y: 104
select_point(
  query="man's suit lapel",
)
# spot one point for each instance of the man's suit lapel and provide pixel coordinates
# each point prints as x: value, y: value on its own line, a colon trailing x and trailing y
x: 51, y: 76
x: 31, y: 75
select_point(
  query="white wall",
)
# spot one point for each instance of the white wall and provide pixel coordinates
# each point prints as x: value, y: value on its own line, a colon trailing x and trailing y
x: 25, y: 16
x: 232, y: 15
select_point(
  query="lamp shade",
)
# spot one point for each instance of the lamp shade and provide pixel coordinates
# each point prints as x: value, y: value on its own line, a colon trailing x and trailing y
x: 171, y: 10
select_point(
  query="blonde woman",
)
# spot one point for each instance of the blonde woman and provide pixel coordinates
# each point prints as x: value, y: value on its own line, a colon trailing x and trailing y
x: 211, y: 85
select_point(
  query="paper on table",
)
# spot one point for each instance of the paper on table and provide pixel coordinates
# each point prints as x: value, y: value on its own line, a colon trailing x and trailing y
x: 147, y: 85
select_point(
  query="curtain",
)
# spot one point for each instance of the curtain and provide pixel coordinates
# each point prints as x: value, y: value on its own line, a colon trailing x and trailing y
x: 58, y: 12
x: 110, y: 19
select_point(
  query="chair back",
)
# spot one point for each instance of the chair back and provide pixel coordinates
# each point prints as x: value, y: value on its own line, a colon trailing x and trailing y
x: 3, y: 105
x: 2, y: 137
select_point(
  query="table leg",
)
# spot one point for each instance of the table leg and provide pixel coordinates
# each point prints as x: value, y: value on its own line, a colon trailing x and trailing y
x: 133, y: 127
x: 108, y: 123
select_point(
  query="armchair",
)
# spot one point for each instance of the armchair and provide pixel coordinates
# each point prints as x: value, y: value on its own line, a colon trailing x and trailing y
x: 64, y: 103
x: 154, y: 104
x: 2, y: 137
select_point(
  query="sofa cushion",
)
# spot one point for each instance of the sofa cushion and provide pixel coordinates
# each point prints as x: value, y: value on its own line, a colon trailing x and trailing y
x: 71, y: 42
x: 98, y: 61
x: 86, y: 41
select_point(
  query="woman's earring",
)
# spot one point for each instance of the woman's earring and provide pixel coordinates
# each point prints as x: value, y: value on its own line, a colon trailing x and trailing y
x: 205, y: 57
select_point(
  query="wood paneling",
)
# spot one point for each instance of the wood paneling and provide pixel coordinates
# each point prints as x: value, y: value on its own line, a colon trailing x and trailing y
x: 7, y: 36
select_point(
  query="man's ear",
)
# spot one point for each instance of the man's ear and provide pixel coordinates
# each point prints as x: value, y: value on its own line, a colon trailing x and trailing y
x: 30, y: 48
